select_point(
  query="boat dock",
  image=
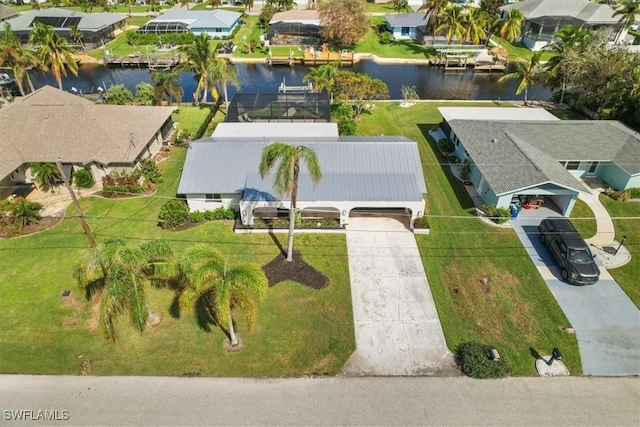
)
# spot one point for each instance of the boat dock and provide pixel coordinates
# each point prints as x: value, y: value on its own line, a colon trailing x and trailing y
x: 459, y: 60
x: 151, y: 62
x: 313, y: 57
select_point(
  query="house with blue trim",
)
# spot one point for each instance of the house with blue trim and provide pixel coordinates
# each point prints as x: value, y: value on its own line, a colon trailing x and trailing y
x: 528, y: 152
x: 216, y: 23
x: 408, y: 25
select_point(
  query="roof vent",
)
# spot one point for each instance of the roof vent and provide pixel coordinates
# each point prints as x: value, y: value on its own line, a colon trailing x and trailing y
x: 494, y: 140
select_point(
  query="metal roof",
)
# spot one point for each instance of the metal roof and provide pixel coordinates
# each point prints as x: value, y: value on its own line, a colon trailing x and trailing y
x: 87, y: 22
x: 274, y: 129
x: 583, y: 10
x: 516, y: 155
x: 408, y: 19
x: 493, y: 113
x: 354, y: 168
x: 217, y: 18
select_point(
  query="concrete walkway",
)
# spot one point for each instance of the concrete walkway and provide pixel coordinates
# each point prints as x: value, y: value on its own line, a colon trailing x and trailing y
x: 606, y: 232
x: 397, y: 328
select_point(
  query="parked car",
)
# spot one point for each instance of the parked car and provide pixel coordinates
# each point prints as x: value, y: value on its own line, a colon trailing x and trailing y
x: 571, y: 252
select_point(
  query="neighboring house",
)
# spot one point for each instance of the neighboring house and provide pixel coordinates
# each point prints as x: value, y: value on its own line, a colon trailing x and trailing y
x: 529, y: 152
x: 544, y: 17
x: 297, y: 26
x: 50, y: 124
x: 216, y: 23
x: 359, y: 173
x: 7, y: 13
x: 97, y: 28
x: 408, y: 25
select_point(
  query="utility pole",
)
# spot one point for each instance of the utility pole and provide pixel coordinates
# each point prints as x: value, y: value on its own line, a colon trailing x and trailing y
x: 85, y: 226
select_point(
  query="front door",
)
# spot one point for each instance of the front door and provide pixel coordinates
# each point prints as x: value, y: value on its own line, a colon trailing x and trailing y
x: 592, y: 168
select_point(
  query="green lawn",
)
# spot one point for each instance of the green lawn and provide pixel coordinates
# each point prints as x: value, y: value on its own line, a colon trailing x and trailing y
x: 625, y: 219
x: 518, y: 313
x: 518, y: 50
x: 584, y: 221
x: 190, y: 118
x: 300, y: 331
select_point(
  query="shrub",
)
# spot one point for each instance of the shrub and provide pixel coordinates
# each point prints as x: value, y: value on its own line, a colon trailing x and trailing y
x: 25, y: 213
x: 149, y: 170
x: 446, y: 145
x: 118, y: 95
x: 497, y: 215
x: 421, y: 222
x: 474, y: 359
x: 144, y: 93
x: 198, y: 216
x: 83, y: 178
x: 5, y: 206
x: 385, y: 38
x: 173, y: 214
x: 224, y: 213
x: 634, y: 193
x: 121, y: 184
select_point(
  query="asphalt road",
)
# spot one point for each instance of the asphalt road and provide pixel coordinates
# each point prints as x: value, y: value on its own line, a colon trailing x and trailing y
x: 371, y: 401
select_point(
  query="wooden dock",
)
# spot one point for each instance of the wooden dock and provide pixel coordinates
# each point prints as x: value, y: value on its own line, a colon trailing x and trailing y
x: 460, y: 63
x: 151, y: 62
x: 313, y: 58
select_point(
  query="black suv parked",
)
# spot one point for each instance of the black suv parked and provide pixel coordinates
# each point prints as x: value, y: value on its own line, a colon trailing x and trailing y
x: 570, y: 251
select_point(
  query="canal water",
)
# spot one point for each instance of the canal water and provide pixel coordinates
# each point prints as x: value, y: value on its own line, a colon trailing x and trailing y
x: 430, y: 82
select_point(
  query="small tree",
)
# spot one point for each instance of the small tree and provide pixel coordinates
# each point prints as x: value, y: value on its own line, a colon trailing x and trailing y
x: 83, y: 178
x: 118, y: 95
x: 144, y: 93
x: 343, y: 115
x: 46, y: 174
x: 343, y: 22
x: 25, y: 213
x: 356, y: 88
x: 173, y: 214
x: 409, y: 94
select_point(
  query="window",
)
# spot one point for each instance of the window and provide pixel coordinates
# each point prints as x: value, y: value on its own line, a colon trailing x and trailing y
x: 404, y: 31
x: 213, y: 197
x: 572, y: 166
x: 593, y: 167
x: 218, y: 30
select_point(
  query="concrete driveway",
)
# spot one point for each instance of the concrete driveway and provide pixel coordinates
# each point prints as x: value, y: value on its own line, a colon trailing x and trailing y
x: 606, y: 321
x: 397, y: 328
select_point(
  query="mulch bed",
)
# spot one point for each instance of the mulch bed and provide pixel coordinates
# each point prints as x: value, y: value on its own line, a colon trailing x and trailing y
x: 43, y: 224
x: 280, y: 270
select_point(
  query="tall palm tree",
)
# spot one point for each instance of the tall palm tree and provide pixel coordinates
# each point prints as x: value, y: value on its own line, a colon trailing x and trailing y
x: 200, y: 58
x: 527, y: 71
x: 247, y: 4
x: 435, y: 8
x: 474, y: 23
x: 19, y: 59
x: 568, y: 42
x: 128, y: 3
x: 166, y: 86
x: 53, y: 51
x: 452, y: 23
x: 121, y: 273
x: 287, y: 172
x: 224, y: 74
x: 627, y: 11
x: 512, y: 25
x: 221, y: 289
x: 45, y: 174
x: 323, y: 77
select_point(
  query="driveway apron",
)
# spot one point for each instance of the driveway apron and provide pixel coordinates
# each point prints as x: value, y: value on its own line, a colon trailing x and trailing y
x: 606, y: 321
x: 397, y: 328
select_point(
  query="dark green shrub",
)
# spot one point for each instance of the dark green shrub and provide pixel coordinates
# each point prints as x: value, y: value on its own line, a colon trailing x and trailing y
x: 6, y: 206
x: 25, y: 213
x: 474, y: 359
x: 83, y: 178
x: 497, y: 215
x: 173, y: 214
x: 421, y: 222
x: 118, y: 95
x: 446, y: 145
x: 197, y: 216
x: 385, y: 38
x: 224, y: 213
x: 634, y: 192
x: 208, y: 215
x: 149, y: 170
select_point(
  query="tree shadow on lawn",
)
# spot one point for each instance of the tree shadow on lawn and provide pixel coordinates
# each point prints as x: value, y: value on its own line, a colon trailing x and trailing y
x: 281, y: 270
x: 458, y: 187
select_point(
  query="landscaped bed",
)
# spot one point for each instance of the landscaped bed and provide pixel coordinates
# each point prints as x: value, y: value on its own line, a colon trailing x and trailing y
x: 300, y: 330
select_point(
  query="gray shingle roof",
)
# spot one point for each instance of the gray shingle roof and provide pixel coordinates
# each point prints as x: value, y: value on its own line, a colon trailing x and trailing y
x: 353, y: 168
x: 7, y: 13
x: 217, y: 18
x: 50, y: 123
x: 517, y: 155
x: 88, y: 21
x: 584, y: 10
x: 408, y: 19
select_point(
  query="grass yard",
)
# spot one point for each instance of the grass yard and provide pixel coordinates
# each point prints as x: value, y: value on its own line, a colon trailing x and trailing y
x: 518, y: 312
x: 190, y: 118
x: 583, y: 219
x: 625, y: 219
x: 300, y: 331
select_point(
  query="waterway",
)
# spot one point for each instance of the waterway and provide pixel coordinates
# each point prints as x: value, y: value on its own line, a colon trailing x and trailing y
x: 430, y: 82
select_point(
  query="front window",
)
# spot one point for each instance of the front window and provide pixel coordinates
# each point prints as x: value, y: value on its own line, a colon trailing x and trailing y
x: 405, y: 31
x: 580, y: 256
x: 572, y: 166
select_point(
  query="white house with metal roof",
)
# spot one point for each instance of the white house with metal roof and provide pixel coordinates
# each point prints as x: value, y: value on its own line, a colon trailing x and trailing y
x: 358, y: 173
x: 544, y: 17
x: 515, y: 152
x: 216, y: 23
x: 408, y: 25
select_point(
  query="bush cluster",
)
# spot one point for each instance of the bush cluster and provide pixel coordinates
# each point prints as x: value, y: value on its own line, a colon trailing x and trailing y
x: 149, y: 170
x: 446, y: 145
x: 121, y: 184
x: 83, y: 178
x: 497, y: 215
x: 420, y: 222
x: 18, y: 213
x: 137, y: 39
x: 175, y: 213
x: 474, y: 359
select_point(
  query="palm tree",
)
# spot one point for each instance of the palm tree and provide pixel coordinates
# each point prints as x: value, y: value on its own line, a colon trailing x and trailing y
x: 128, y: 3
x: 215, y: 3
x: 53, y: 51
x: 221, y: 289
x: 452, y: 22
x: 166, y: 86
x: 527, y: 71
x: 76, y: 35
x: 323, y: 77
x: 248, y: 4
x: 567, y: 43
x: 200, y: 58
x: 512, y: 25
x: 435, y: 8
x: 121, y: 273
x: 474, y: 24
x: 627, y: 10
x: 224, y: 74
x: 288, y: 170
x: 20, y: 60
x: 184, y: 3
x: 401, y: 6
x: 45, y: 174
